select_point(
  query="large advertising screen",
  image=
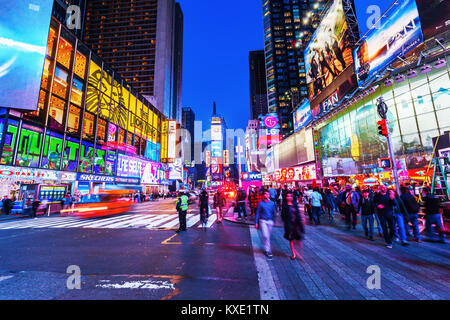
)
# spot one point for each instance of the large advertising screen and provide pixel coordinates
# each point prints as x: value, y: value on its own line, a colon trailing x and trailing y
x: 302, y: 116
x: 434, y: 16
x: 329, y: 52
x: 24, y: 27
x: 399, y: 33
x: 216, y: 132
x: 368, y: 13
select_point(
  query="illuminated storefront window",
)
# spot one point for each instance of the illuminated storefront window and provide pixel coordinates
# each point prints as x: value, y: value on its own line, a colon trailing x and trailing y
x: 65, y: 51
x: 29, y: 146
x: 73, y: 122
x: 56, y: 113
x: 88, y: 127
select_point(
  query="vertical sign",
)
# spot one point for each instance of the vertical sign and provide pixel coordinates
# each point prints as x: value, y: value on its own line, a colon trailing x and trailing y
x: 171, y: 143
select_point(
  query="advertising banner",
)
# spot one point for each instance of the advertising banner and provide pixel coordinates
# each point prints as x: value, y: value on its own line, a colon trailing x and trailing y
x: 226, y: 158
x: 94, y: 178
x: 302, y: 116
x: 35, y: 174
x: 216, y: 132
x: 216, y: 148
x: 24, y: 27
x: 129, y: 166
x: 329, y: 52
x: 399, y: 33
x: 151, y: 173
x: 176, y: 170
x: 300, y: 173
x: 368, y: 13
x: 434, y: 16
x: 171, y: 144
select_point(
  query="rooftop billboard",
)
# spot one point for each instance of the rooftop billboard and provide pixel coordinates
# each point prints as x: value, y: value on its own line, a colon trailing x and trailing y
x: 24, y: 27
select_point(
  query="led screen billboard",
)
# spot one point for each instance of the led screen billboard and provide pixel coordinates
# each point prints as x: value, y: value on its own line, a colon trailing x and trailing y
x: 24, y: 27
x: 434, y: 16
x: 329, y: 52
x: 302, y: 116
x: 368, y: 13
x: 216, y: 132
x: 399, y: 32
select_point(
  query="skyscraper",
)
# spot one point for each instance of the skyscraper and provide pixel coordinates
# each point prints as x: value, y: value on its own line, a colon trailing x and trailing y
x: 187, y: 122
x: 288, y: 25
x: 142, y: 40
x: 62, y: 11
x: 258, y: 89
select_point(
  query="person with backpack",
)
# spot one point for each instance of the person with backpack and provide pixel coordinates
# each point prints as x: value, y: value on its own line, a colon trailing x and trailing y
x: 182, y: 208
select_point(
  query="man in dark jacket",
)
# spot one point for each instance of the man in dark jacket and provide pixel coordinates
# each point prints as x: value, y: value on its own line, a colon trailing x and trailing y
x: 241, y: 197
x: 432, y: 214
x: 7, y: 205
x: 413, y: 208
x: 385, y: 213
x: 367, y: 214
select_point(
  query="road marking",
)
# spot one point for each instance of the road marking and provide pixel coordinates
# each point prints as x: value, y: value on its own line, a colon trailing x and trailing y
x: 170, y: 238
x: 5, y: 278
x: 211, y: 220
x: 142, y: 284
x: 267, y: 288
x: 158, y: 223
x: 129, y: 222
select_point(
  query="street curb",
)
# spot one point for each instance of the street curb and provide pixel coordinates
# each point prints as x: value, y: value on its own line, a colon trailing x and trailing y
x: 3, y: 218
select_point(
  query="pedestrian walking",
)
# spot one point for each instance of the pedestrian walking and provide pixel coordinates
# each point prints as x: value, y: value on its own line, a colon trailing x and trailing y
x: 330, y: 204
x: 367, y: 208
x: 265, y: 217
x: 240, y: 198
x: 34, y: 207
x: 352, y: 199
x: 182, y: 208
x: 413, y: 208
x: 7, y: 205
x: 316, y: 205
x: 399, y: 223
x: 254, y: 201
x: 294, y: 225
x: 433, y: 215
x: 219, y: 203
x: 385, y: 213
x: 204, y: 208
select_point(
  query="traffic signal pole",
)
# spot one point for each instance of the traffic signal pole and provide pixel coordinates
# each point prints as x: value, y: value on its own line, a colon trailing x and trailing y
x: 382, y: 111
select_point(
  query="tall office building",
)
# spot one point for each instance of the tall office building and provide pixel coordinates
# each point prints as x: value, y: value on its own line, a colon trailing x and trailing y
x: 187, y: 122
x: 143, y: 41
x: 258, y: 88
x: 288, y: 26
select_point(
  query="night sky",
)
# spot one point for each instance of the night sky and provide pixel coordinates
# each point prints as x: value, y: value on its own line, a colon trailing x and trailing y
x: 218, y: 36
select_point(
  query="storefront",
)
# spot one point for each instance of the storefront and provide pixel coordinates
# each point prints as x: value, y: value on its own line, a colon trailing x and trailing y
x: 418, y: 110
x: 25, y: 185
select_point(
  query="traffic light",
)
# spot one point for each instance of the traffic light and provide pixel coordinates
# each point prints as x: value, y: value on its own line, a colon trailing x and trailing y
x: 382, y: 128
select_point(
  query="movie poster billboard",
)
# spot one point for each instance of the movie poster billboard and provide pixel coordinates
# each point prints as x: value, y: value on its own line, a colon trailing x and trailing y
x: 434, y: 16
x: 24, y: 27
x: 329, y: 51
x: 302, y: 116
x: 399, y: 33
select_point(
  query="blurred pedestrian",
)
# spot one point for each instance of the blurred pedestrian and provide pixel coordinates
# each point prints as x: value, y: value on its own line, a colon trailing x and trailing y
x: 330, y: 204
x: 219, y: 203
x: 316, y: 205
x: 413, y: 208
x: 240, y: 199
x: 255, y: 199
x: 294, y: 224
x: 385, y: 213
x: 182, y: 208
x: 399, y: 223
x: 34, y: 207
x: 204, y: 208
x: 432, y: 214
x: 7, y: 205
x: 265, y: 217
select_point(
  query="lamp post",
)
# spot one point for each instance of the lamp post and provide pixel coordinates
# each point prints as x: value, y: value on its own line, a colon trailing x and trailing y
x: 382, y: 109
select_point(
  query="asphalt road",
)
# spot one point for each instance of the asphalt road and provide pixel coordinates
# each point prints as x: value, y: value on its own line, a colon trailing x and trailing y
x: 128, y: 262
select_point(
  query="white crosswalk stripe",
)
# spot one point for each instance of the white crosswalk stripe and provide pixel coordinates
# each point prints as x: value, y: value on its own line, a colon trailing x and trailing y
x: 147, y: 221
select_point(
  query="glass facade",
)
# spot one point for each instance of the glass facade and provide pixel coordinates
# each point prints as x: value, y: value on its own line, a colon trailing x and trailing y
x: 418, y: 111
x: 86, y: 115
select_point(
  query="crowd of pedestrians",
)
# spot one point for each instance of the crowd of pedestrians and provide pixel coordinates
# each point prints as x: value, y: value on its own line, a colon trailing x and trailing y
x: 395, y: 217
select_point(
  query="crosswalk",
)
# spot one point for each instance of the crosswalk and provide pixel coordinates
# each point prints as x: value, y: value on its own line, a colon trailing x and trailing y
x: 146, y: 221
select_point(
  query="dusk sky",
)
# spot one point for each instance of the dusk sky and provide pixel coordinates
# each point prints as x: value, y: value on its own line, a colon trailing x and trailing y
x: 218, y: 36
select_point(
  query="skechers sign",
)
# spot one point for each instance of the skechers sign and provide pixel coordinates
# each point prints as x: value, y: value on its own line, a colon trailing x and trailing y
x: 94, y: 178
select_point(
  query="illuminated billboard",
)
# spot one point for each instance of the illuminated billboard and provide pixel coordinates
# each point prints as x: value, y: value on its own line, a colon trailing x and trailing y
x: 399, y: 33
x: 329, y: 51
x: 171, y: 143
x: 216, y: 148
x: 216, y: 132
x: 24, y: 27
x: 302, y: 116
x: 434, y: 16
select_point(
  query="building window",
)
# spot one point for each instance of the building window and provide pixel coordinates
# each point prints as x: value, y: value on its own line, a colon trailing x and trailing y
x: 88, y: 127
x: 56, y: 113
x: 60, y: 82
x: 64, y: 53
x: 73, y: 123
x: 101, y: 131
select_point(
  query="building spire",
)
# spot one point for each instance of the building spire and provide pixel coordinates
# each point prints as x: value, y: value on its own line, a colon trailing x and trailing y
x: 214, y: 108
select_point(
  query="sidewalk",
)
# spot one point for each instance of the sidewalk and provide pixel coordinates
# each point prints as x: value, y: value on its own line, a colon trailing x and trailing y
x: 13, y: 216
x: 232, y: 216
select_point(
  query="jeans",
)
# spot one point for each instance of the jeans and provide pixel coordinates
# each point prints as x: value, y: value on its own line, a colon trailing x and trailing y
x: 413, y: 217
x: 388, y: 225
x: 367, y: 218
x: 330, y: 213
x: 241, y: 208
x: 316, y: 214
x: 400, y: 223
x: 380, y: 229
x: 435, y: 219
x: 350, y: 216
x: 266, y: 230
